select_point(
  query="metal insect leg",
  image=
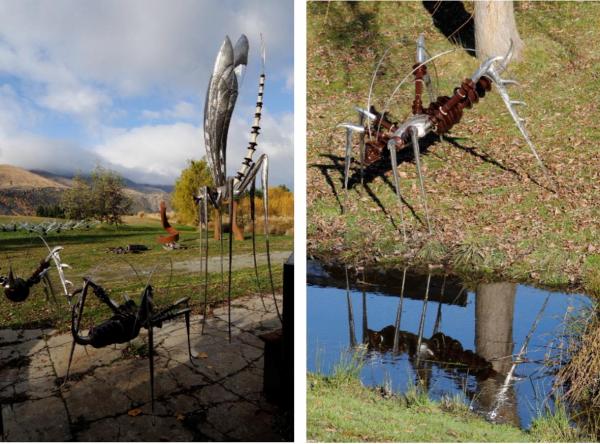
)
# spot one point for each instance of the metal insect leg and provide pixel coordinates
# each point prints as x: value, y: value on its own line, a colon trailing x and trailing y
x: 203, y: 209
x: 351, y: 330
x: 231, y: 199
x: 492, y: 68
x: 422, y: 320
x: 77, y: 312
x: 417, y: 153
x: 392, y: 148
x: 350, y: 130
x: 151, y: 361
x: 399, y: 315
x: 519, y: 121
x: 262, y: 165
x: 253, y: 222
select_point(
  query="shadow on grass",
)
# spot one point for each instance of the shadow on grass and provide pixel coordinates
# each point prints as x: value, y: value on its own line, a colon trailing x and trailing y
x: 28, y: 242
x: 452, y: 19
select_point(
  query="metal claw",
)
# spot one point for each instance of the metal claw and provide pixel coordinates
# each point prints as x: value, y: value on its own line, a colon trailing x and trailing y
x: 350, y: 128
x: 392, y: 148
x: 417, y: 152
x: 506, y: 82
x: 519, y: 121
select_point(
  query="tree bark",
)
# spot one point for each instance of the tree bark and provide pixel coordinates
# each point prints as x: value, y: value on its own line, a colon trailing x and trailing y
x: 495, y: 27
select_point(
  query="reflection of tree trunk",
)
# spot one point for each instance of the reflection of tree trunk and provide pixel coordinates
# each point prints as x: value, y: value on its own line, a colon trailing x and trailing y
x: 494, y: 314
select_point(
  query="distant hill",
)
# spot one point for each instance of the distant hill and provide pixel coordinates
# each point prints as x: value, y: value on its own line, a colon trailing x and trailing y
x: 22, y: 191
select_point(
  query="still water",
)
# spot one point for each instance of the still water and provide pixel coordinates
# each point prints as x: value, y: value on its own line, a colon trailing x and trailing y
x: 487, y: 345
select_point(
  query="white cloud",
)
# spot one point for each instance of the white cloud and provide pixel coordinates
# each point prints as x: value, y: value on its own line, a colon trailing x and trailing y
x: 182, y: 110
x: 82, y: 101
x: 86, y: 59
x: 134, y: 45
x: 158, y: 153
x: 56, y: 155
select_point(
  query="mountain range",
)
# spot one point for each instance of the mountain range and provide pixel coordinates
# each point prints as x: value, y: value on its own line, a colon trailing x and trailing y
x: 23, y: 191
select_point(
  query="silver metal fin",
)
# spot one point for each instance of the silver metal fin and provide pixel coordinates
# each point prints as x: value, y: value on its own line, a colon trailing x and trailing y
x: 218, y: 107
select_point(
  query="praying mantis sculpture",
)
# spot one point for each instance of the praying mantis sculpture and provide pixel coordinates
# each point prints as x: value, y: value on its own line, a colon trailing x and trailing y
x: 228, y: 74
x: 381, y: 137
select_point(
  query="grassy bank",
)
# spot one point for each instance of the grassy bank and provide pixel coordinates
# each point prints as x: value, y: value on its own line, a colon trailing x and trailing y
x: 492, y: 212
x: 341, y: 409
x: 86, y: 252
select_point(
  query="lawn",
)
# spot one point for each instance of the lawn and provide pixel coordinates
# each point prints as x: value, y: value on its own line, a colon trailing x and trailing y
x: 86, y: 252
x: 343, y: 410
x: 493, y: 212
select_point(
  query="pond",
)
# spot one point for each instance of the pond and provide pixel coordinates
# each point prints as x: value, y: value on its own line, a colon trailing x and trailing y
x: 486, y: 344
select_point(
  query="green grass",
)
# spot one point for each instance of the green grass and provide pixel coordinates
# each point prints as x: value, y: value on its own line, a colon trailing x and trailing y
x: 489, y: 216
x: 342, y: 410
x: 85, y: 251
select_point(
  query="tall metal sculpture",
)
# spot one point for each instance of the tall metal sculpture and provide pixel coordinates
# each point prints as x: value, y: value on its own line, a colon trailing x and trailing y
x: 228, y: 73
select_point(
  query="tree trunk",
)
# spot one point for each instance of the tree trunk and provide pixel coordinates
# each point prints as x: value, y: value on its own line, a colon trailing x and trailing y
x: 495, y: 27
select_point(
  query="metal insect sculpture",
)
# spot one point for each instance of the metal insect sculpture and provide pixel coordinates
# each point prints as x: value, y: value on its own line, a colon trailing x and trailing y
x: 380, y: 136
x: 228, y: 74
x: 126, y: 323
x: 17, y: 289
x: 169, y: 241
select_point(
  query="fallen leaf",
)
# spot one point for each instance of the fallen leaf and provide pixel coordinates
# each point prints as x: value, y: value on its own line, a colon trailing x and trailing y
x: 134, y: 412
x: 202, y: 355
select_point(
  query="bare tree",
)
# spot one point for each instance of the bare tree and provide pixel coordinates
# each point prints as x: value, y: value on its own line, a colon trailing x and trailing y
x: 495, y: 27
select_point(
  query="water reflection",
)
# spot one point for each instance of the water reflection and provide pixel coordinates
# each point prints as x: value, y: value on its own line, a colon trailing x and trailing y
x: 435, y: 333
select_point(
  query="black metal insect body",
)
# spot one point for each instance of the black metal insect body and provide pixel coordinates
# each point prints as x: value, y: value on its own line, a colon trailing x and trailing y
x: 126, y: 323
x: 17, y: 289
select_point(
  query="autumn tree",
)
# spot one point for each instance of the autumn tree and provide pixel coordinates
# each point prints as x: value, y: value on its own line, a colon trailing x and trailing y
x: 110, y: 202
x: 192, y: 178
x: 101, y: 197
x: 77, y: 200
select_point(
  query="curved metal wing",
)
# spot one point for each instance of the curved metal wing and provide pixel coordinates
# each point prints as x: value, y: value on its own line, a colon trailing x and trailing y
x: 218, y: 107
x: 240, y: 57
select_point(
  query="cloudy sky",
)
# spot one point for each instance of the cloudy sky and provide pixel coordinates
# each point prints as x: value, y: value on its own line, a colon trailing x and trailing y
x: 122, y: 84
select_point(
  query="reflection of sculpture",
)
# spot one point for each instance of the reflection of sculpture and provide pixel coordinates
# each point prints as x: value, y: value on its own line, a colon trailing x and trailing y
x: 440, y: 349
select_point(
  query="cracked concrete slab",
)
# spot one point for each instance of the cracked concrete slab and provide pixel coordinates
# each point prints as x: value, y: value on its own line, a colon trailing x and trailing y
x: 108, y: 396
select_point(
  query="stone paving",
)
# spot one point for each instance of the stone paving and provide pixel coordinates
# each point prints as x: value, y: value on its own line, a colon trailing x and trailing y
x: 107, y: 397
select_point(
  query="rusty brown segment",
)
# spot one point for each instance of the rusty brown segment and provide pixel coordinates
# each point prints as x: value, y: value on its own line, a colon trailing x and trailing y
x: 444, y: 113
x: 238, y: 233
x: 419, y: 72
x: 173, y: 235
